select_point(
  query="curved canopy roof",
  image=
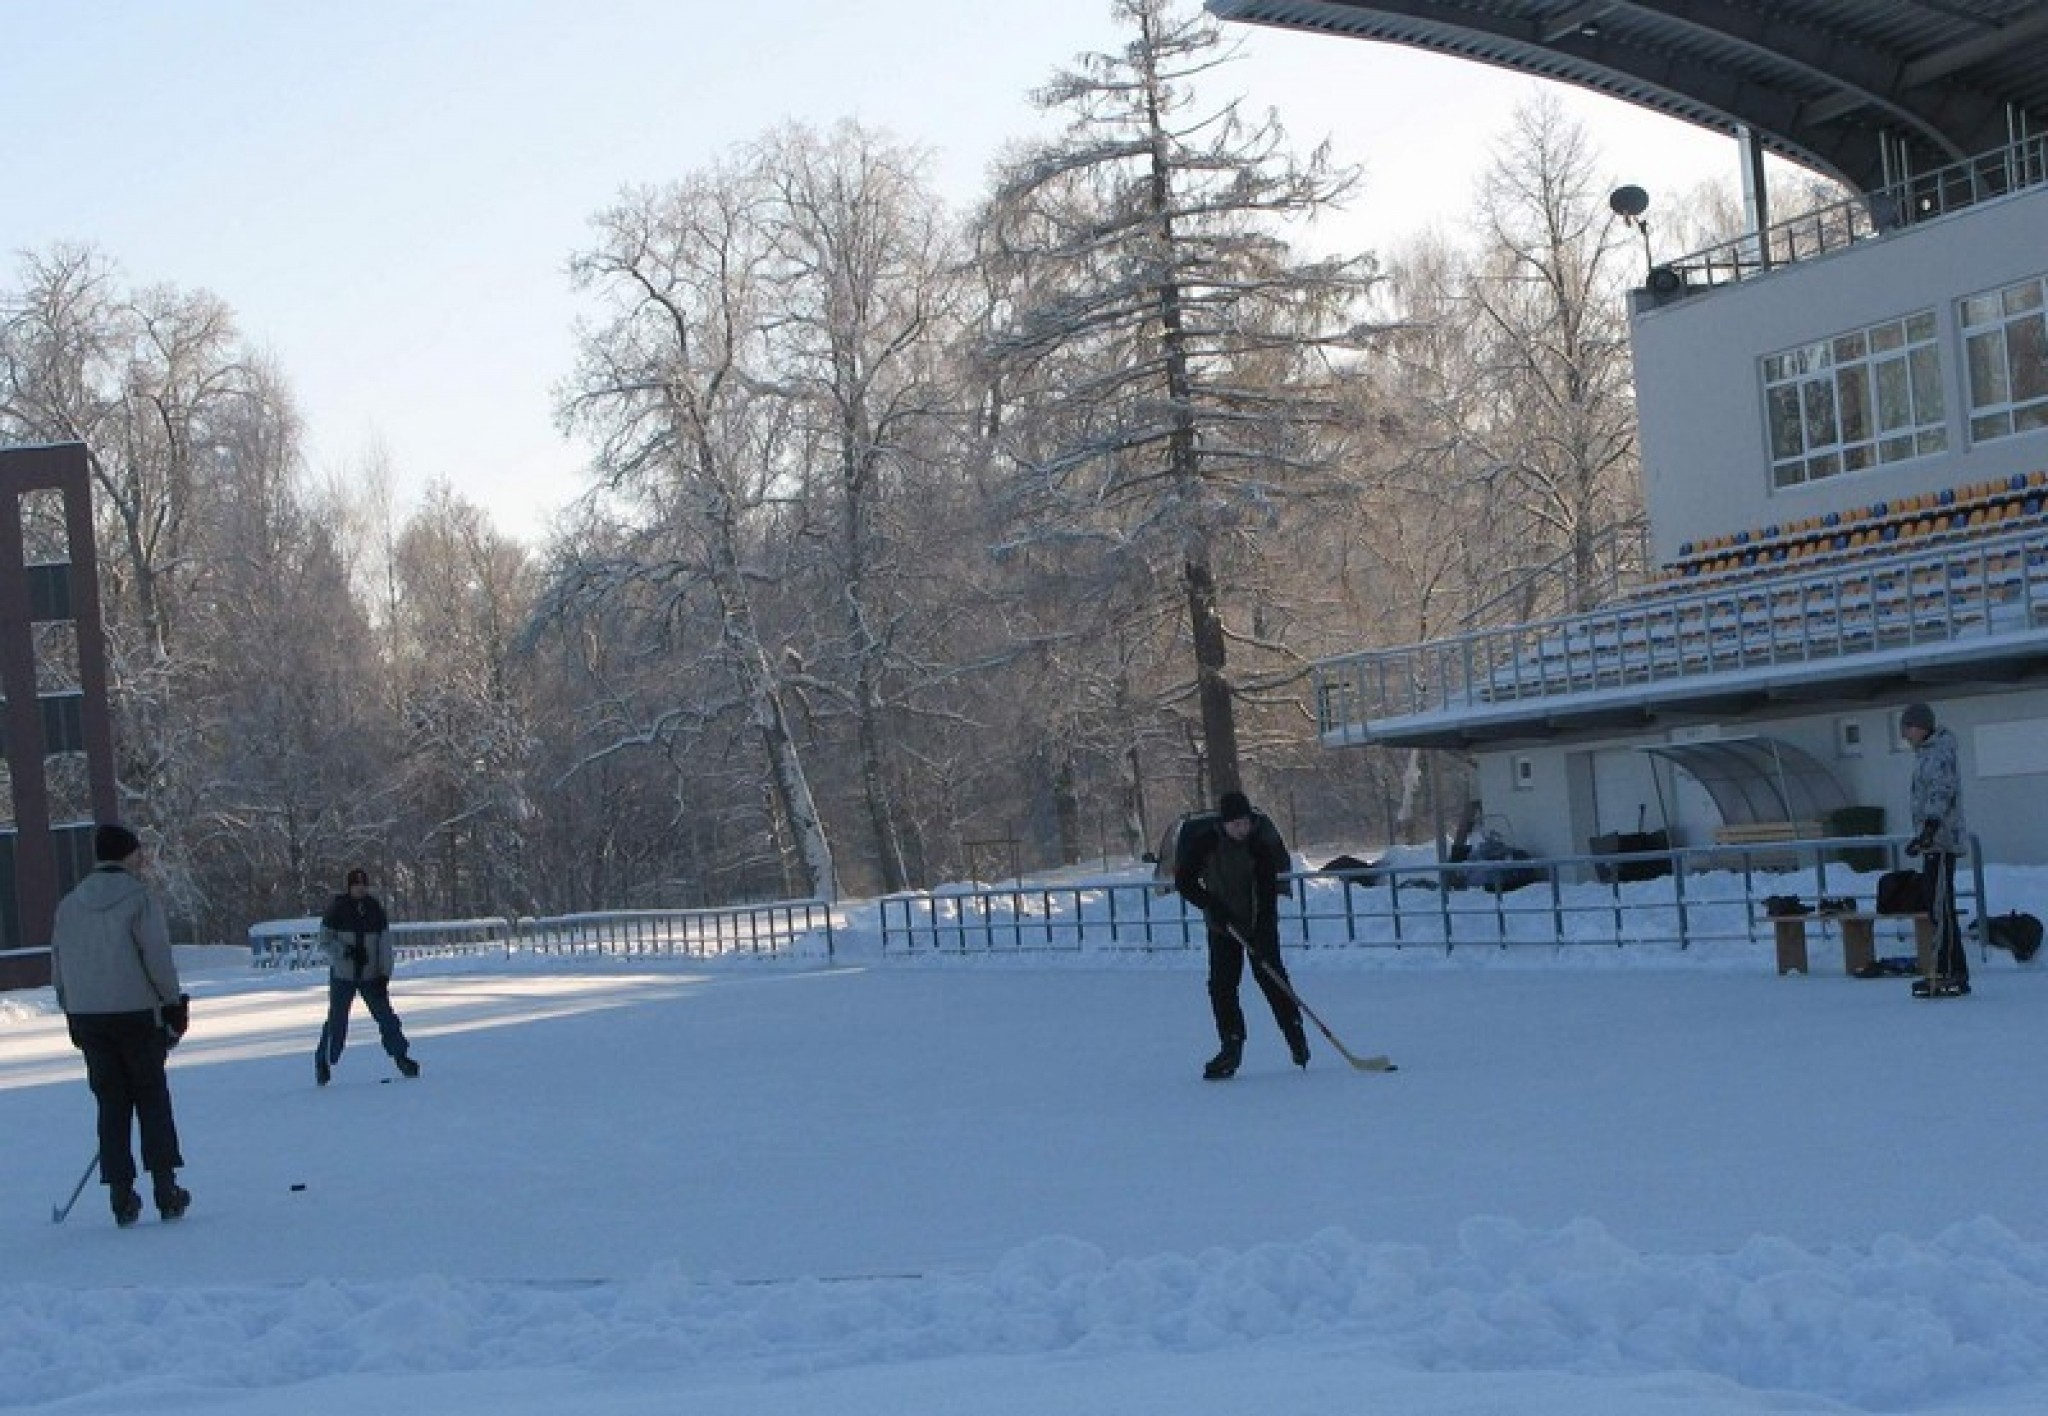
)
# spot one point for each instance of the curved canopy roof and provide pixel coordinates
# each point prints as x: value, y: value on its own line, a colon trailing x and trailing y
x: 1821, y: 82
x: 1755, y: 779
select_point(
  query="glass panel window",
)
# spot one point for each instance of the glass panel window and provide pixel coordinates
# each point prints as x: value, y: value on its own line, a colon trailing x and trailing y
x: 1783, y: 404
x: 1852, y: 404
x: 1820, y: 413
x: 2005, y: 364
x: 1930, y: 404
x: 1854, y: 400
x: 1894, y: 396
x: 2026, y: 353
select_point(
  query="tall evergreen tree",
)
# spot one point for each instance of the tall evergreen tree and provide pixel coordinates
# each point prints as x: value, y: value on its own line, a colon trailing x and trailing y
x: 1166, y: 351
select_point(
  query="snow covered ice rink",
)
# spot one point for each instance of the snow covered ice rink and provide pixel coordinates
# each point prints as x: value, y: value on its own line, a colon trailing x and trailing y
x: 1634, y: 1182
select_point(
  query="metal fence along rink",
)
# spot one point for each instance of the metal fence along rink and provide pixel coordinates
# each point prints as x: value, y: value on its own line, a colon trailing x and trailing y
x: 779, y: 927
x: 1673, y: 899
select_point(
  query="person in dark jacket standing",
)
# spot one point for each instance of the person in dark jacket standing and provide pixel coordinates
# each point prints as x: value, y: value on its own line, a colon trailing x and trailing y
x: 111, y: 965
x: 1936, y: 804
x: 1231, y: 872
x: 357, y: 938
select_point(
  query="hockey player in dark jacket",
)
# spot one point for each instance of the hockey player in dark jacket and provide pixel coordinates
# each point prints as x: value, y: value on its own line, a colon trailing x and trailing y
x: 357, y: 938
x: 1229, y: 868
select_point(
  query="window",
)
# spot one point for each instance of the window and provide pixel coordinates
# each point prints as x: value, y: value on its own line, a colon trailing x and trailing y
x: 2005, y: 358
x: 1854, y: 401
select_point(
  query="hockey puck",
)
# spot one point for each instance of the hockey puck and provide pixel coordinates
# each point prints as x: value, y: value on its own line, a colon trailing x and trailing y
x: 385, y: 1080
x: 300, y: 1185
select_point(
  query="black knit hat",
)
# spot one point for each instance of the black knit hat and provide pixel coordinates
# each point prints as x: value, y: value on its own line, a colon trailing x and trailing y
x: 357, y: 876
x: 113, y: 842
x: 1235, y: 806
x: 1917, y: 715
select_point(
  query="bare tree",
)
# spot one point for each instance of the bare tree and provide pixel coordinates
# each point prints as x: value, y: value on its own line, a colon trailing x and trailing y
x: 466, y: 592
x: 864, y: 297
x: 676, y: 389
x: 1557, y: 416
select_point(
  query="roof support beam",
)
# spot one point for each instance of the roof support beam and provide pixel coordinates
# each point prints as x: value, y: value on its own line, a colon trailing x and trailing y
x: 1943, y: 62
x: 1574, y: 19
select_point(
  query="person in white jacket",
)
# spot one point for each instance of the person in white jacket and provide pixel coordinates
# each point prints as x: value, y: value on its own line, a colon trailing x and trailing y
x: 111, y: 965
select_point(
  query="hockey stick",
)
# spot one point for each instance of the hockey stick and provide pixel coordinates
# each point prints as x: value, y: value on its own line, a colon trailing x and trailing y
x: 1379, y: 1063
x: 58, y: 1213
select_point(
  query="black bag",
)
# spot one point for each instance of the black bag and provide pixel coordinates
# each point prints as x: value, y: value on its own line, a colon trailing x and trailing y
x: 1177, y: 847
x: 1902, y: 892
x: 2018, y: 933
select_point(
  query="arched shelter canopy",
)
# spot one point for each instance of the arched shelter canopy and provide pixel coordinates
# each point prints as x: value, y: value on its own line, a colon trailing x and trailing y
x: 1755, y: 779
x: 1841, y: 86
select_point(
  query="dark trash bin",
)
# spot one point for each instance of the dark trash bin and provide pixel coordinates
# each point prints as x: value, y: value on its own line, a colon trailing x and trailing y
x: 1624, y: 843
x: 1858, y: 821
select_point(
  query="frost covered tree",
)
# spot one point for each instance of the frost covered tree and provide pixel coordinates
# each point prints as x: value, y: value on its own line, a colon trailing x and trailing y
x: 1555, y: 404
x: 465, y: 592
x: 1166, y: 354
x: 864, y: 289
x: 693, y: 439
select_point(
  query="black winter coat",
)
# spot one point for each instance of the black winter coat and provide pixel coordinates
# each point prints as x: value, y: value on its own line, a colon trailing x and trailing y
x: 1270, y: 860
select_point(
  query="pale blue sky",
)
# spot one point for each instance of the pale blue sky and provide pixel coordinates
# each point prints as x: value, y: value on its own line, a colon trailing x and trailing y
x: 387, y: 191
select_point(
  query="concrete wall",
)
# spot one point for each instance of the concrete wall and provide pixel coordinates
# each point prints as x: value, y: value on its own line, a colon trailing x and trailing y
x: 1699, y: 391
x: 1580, y: 791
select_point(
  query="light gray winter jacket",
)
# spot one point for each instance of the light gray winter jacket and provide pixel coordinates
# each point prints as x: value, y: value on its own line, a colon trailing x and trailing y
x: 110, y: 950
x: 1937, y: 792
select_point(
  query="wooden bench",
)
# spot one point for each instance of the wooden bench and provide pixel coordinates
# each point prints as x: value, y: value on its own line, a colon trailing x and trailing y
x: 1765, y: 833
x: 1859, y: 939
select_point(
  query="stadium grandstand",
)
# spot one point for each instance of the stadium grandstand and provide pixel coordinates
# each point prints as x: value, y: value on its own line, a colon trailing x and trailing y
x: 1843, y: 423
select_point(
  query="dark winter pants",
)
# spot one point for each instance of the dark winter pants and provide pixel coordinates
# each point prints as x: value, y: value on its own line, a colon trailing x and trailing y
x: 1938, y: 872
x: 341, y: 997
x: 1226, y: 971
x: 124, y: 1065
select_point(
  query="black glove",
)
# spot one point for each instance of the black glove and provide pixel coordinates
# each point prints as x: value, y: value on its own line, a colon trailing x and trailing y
x: 1925, y: 840
x: 176, y: 1018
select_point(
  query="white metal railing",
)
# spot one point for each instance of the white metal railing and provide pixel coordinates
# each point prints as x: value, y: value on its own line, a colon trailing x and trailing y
x: 1994, y: 586
x: 779, y: 927
x: 1945, y: 190
x: 1673, y: 898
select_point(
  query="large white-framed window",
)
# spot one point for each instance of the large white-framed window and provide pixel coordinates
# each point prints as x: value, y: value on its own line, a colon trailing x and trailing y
x: 2005, y: 352
x: 1855, y: 400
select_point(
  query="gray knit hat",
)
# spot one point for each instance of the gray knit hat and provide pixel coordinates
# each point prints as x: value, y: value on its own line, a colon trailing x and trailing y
x: 1917, y: 715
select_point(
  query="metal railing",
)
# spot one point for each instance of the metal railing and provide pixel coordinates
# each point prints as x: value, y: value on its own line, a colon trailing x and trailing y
x: 775, y: 928
x: 1991, y: 586
x: 779, y: 927
x: 1942, y: 192
x: 1694, y: 895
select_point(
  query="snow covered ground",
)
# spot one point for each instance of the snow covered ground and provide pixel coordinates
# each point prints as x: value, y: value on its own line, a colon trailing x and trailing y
x: 999, y: 1187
